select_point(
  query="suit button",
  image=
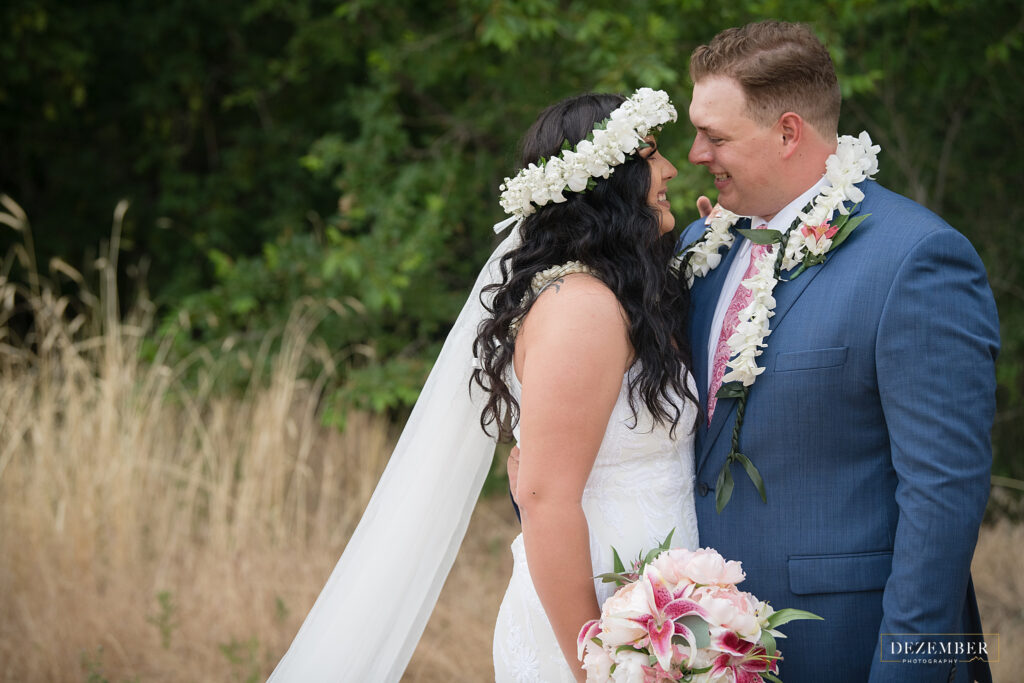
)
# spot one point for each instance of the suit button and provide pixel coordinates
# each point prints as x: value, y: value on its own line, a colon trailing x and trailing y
x: 703, y: 488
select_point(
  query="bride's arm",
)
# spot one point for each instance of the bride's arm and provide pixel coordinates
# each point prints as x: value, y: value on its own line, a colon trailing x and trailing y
x: 572, y: 351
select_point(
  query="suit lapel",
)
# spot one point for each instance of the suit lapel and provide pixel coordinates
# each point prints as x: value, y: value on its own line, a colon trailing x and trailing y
x: 724, y: 411
x: 786, y: 293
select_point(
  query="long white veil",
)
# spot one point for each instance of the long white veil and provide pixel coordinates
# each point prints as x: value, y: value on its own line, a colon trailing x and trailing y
x: 371, y: 613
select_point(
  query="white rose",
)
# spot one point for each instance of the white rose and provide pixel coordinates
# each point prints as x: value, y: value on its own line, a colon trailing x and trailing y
x: 598, y: 664
x: 629, y: 667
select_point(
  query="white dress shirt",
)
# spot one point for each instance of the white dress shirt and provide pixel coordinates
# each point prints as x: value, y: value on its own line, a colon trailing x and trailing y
x: 738, y: 267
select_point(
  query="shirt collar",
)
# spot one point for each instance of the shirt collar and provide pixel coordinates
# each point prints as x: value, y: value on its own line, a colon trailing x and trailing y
x: 784, y: 218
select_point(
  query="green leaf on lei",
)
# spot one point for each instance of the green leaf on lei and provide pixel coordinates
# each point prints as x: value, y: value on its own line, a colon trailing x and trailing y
x: 752, y: 472
x: 847, y: 228
x: 730, y: 390
x: 761, y: 236
x: 813, y: 259
x: 723, y: 487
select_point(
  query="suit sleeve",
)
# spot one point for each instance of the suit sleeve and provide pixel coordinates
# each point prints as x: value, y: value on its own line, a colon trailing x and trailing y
x: 935, y: 354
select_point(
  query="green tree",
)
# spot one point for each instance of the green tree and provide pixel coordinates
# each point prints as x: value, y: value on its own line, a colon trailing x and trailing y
x: 349, y: 153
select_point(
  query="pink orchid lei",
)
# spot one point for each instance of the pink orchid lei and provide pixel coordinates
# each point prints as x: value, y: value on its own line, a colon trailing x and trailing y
x: 678, y: 616
x: 812, y: 236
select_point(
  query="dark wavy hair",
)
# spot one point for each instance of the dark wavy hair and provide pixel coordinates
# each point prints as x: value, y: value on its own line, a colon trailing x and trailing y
x: 613, y: 229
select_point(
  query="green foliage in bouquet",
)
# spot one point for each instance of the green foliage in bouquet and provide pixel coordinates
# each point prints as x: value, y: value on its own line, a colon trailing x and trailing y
x: 620, y: 577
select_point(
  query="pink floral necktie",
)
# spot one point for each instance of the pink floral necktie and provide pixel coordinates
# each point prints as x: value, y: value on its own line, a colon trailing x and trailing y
x: 740, y: 300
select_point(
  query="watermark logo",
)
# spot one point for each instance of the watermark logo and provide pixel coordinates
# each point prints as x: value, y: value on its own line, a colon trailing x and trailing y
x: 939, y: 648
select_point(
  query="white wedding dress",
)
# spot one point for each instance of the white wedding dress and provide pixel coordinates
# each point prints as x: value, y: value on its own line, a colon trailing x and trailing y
x: 367, y: 620
x: 640, y: 489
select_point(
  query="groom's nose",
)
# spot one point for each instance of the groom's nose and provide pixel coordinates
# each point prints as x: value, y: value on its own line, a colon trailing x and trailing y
x: 700, y: 151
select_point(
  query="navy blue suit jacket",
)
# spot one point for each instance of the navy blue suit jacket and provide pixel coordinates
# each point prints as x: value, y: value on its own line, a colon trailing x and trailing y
x: 871, y: 428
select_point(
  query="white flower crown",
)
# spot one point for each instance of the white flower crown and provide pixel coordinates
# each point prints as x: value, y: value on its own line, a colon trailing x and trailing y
x: 618, y: 136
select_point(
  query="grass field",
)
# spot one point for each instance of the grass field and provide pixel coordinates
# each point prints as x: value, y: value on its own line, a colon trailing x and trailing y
x: 149, y: 535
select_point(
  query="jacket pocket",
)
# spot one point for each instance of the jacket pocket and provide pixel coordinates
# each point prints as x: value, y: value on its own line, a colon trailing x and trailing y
x: 810, y: 360
x: 846, y: 573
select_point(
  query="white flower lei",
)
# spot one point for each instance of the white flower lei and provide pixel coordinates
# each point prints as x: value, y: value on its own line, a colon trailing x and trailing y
x: 810, y: 237
x: 618, y: 136
x: 542, y: 279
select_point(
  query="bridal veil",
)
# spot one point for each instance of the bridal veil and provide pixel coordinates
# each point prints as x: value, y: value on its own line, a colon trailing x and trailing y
x: 371, y: 613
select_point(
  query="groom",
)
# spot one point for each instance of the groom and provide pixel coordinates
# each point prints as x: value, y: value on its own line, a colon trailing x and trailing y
x: 870, y: 421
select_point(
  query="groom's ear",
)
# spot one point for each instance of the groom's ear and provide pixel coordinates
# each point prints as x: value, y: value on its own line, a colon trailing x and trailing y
x: 790, y: 129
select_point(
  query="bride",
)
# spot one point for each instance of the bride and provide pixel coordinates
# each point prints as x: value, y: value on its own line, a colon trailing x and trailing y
x: 578, y: 328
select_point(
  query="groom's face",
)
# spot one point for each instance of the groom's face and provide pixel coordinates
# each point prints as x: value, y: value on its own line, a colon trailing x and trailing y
x: 742, y: 154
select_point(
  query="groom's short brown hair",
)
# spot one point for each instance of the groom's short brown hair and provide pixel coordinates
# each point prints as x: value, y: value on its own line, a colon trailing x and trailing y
x: 781, y: 67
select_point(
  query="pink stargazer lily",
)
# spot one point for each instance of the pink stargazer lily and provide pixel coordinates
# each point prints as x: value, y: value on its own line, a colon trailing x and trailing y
x: 655, y: 674
x: 818, y: 230
x: 665, y: 607
x: 746, y: 660
x: 590, y: 630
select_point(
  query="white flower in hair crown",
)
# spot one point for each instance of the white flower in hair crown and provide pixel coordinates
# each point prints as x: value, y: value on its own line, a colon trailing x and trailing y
x: 814, y: 233
x: 575, y: 170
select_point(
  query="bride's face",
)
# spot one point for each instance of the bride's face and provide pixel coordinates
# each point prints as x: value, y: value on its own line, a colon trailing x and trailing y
x: 662, y: 171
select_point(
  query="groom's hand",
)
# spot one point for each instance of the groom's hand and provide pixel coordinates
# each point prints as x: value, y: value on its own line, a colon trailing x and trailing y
x: 512, y: 465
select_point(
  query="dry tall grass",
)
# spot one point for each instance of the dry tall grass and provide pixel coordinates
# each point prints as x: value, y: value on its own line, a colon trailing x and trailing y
x: 149, y: 533
x: 153, y: 533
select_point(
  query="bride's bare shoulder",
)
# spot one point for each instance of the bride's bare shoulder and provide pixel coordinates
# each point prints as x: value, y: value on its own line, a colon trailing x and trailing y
x: 577, y: 310
x: 577, y: 299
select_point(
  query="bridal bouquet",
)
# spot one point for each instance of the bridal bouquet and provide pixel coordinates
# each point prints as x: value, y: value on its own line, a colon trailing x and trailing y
x: 678, y: 616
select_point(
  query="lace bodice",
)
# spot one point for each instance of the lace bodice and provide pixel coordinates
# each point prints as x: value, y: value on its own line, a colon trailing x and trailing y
x: 641, y: 485
x: 640, y: 488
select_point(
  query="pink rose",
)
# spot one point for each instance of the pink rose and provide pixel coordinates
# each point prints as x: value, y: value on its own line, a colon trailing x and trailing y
x: 618, y: 613
x: 704, y: 566
x: 731, y: 610
x: 671, y: 564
